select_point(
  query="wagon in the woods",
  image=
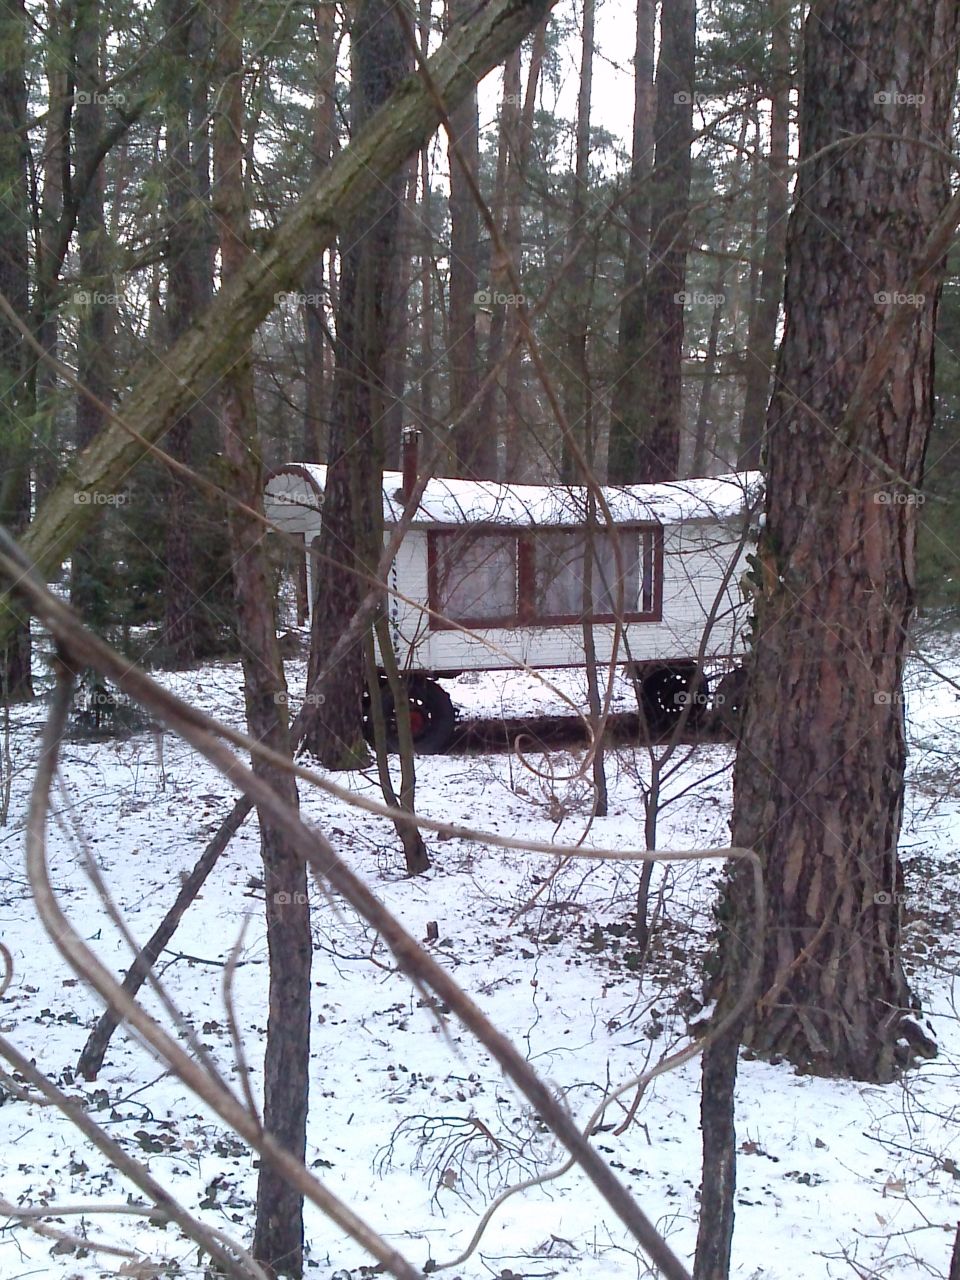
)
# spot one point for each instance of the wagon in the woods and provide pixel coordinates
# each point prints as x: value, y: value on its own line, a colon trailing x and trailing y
x: 491, y: 577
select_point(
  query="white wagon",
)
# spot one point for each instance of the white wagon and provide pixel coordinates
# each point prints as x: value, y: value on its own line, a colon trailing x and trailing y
x: 491, y: 576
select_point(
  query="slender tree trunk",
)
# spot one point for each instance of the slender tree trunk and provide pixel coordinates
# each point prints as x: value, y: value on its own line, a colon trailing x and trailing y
x: 657, y: 455
x: 626, y: 426
x: 397, y: 338
x: 88, y: 586
x: 578, y: 394
x: 705, y: 424
x: 427, y: 395
x: 761, y: 341
x: 15, y: 409
x: 190, y: 571
x: 316, y: 309
x: 278, y: 1233
x: 475, y: 441
x: 47, y: 265
x: 504, y: 209
x: 514, y: 465
x: 352, y: 529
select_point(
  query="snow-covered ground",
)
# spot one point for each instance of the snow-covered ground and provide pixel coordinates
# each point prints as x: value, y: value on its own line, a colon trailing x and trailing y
x: 835, y: 1178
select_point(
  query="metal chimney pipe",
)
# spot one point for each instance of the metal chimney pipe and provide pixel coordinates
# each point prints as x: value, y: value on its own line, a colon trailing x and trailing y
x: 410, y: 442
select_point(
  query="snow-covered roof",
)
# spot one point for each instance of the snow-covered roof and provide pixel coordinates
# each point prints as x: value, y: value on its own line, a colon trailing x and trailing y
x: 294, y: 497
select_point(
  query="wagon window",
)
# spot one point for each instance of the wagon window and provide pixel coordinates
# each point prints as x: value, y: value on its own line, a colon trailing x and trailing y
x: 474, y: 577
x: 560, y: 560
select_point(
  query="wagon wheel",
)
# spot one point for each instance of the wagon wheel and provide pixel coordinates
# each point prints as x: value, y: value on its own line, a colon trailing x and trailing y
x: 665, y: 693
x: 729, y: 700
x: 433, y: 718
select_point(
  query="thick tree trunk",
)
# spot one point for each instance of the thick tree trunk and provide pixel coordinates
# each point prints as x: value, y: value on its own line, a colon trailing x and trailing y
x: 819, y: 785
x: 819, y: 781
x: 278, y: 1233
x: 761, y: 340
x: 352, y: 529
x: 15, y: 410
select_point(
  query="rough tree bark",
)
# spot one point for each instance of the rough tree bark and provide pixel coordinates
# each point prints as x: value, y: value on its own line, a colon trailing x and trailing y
x: 649, y: 451
x: 15, y: 409
x: 819, y: 776
x: 278, y: 1232
x: 164, y: 388
x: 352, y: 529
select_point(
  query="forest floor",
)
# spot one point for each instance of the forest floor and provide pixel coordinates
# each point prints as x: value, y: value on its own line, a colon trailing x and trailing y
x: 411, y: 1122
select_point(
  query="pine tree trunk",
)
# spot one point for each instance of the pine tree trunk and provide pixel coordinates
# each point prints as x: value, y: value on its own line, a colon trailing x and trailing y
x: 316, y: 308
x: 278, y: 1232
x: 189, y: 577
x: 475, y: 441
x: 657, y: 455
x: 625, y: 401
x: 578, y: 390
x: 515, y: 463
x: 761, y: 340
x: 15, y: 443
x: 48, y: 261
x: 819, y: 782
x: 352, y: 528
x: 89, y: 585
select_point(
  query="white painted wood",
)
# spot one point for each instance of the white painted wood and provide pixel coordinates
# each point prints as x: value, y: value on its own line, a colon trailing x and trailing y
x: 702, y: 523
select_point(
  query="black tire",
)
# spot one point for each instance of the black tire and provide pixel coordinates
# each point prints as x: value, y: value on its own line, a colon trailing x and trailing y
x: 433, y: 717
x: 665, y: 693
x: 729, y: 700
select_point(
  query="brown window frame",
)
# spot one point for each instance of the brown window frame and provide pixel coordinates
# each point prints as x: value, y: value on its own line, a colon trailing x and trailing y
x: 650, y: 538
